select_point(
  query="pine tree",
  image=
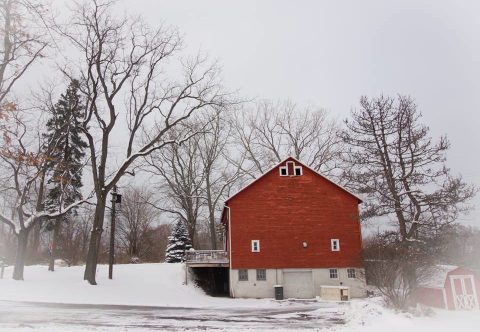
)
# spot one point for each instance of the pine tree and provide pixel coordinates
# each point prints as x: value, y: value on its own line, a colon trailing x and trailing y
x: 178, y: 243
x: 65, y: 166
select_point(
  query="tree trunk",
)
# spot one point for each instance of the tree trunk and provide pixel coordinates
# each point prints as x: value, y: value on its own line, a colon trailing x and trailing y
x: 94, y: 244
x: 33, y: 255
x: 409, y: 267
x: 53, y: 249
x: 134, y: 249
x: 38, y: 226
x: 213, y: 231
x: 21, y: 251
x: 84, y: 239
x: 211, y: 216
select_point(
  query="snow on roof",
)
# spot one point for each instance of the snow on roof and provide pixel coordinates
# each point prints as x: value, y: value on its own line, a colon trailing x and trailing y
x: 298, y: 161
x: 436, y: 276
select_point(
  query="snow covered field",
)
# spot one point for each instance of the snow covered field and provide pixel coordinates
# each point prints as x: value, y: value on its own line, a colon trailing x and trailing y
x: 176, y: 306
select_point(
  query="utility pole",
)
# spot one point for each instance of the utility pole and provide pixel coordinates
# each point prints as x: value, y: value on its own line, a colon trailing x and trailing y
x: 116, y: 198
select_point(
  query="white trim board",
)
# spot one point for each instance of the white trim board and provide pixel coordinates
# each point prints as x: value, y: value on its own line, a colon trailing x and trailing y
x: 462, y: 279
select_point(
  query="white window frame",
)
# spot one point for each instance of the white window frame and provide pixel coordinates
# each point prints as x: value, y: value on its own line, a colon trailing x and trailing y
x: 295, y: 170
x: 257, y: 244
x: 333, y: 272
x: 281, y: 168
x: 354, y: 273
x: 335, y: 244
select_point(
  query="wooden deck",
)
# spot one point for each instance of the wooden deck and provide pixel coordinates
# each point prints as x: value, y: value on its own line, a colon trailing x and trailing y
x: 207, y: 258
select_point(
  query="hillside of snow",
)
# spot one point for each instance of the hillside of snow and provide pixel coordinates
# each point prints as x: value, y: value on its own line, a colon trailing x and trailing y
x: 159, y: 284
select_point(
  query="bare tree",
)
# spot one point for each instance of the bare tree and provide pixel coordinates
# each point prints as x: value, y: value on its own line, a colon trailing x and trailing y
x: 73, y: 235
x: 401, y: 170
x: 220, y: 173
x: 124, y: 72
x: 199, y: 175
x: 402, y: 173
x: 23, y: 43
x: 137, y: 217
x: 388, y: 265
x: 160, y: 235
x: 181, y: 178
x: 273, y: 131
x: 23, y: 159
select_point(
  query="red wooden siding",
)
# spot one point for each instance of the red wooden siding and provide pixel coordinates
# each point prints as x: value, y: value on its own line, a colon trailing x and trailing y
x: 432, y: 297
x: 285, y: 211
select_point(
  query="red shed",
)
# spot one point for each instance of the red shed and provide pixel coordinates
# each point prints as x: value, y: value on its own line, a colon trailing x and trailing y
x: 450, y: 287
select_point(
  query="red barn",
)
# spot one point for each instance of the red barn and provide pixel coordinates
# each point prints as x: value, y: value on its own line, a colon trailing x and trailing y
x: 293, y: 227
x: 450, y: 287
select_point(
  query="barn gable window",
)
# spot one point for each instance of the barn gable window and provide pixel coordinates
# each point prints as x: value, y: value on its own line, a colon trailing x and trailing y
x: 335, y: 243
x: 298, y: 170
x: 261, y: 274
x: 333, y: 274
x: 287, y: 170
x: 351, y: 273
x: 242, y: 275
x: 255, y: 245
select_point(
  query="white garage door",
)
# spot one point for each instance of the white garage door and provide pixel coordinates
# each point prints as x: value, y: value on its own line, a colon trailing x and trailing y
x: 298, y: 284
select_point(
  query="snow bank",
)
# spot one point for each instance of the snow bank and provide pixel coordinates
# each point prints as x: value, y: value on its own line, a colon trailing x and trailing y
x: 132, y: 284
x: 370, y: 315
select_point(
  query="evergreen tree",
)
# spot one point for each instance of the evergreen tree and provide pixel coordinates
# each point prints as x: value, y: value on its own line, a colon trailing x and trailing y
x: 178, y: 243
x: 65, y: 165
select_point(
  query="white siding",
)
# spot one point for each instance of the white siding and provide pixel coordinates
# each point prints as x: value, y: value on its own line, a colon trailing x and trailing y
x: 264, y: 289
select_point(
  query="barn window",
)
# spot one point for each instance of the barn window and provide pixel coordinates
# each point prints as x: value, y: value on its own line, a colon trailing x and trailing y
x: 283, y: 171
x: 333, y: 274
x: 335, y: 243
x: 298, y: 170
x: 261, y: 274
x: 242, y: 275
x: 255, y: 245
x: 351, y: 273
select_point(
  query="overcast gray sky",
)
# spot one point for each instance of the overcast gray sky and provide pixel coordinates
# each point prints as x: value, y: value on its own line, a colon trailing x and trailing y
x: 329, y: 53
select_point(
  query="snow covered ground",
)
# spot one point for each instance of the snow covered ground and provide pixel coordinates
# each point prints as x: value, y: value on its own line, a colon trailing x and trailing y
x: 122, y: 304
x: 132, y: 284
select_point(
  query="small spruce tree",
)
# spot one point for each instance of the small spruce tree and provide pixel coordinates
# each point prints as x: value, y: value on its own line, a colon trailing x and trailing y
x: 178, y: 243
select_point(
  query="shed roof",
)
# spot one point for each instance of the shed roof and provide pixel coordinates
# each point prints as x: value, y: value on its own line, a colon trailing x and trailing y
x: 437, y: 276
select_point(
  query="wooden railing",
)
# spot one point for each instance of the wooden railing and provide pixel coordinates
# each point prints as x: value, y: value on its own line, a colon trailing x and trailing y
x: 206, y: 256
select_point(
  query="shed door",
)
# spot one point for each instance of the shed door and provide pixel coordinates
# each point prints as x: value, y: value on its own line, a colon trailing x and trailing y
x: 298, y: 284
x: 464, y: 293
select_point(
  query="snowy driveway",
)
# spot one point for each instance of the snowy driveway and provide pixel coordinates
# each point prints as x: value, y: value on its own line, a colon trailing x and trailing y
x: 25, y: 316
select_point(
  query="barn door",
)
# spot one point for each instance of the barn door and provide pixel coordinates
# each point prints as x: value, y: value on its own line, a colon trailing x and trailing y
x: 298, y: 284
x: 464, y: 293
